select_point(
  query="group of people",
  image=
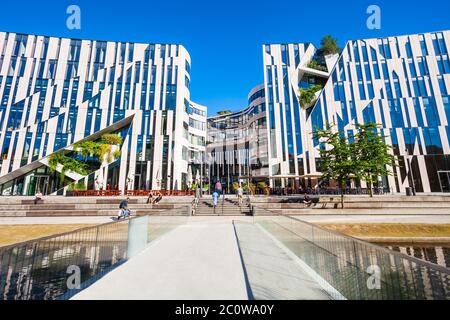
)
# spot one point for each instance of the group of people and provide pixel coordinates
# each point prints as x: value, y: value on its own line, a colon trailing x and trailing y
x: 218, y: 190
x: 124, y: 210
x: 154, y: 200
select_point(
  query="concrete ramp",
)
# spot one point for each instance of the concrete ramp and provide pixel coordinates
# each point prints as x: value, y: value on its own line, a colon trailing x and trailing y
x: 196, y: 261
x: 209, y: 258
x: 272, y: 272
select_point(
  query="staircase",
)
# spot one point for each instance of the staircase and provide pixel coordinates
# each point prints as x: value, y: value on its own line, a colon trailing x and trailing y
x: 57, y: 206
x: 225, y: 207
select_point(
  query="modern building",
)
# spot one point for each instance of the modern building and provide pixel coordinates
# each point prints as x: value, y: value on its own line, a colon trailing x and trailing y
x: 402, y: 83
x: 57, y: 91
x: 237, y: 143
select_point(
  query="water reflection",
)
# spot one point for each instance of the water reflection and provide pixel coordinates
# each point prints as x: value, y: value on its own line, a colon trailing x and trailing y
x: 344, y: 263
x: 38, y: 269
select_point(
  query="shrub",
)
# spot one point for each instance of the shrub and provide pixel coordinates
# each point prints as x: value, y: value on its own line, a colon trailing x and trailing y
x: 117, y: 154
x: 262, y: 185
x: 111, y: 139
x: 313, y: 64
x: 249, y: 188
x: 67, y: 163
x: 308, y: 95
x: 224, y: 112
x: 86, y: 148
x: 79, y: 186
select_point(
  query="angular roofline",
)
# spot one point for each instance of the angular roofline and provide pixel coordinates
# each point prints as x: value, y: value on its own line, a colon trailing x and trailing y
x: 98, y: 40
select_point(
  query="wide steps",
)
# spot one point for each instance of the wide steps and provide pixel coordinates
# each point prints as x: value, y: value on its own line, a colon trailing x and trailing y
x: 227, y: 207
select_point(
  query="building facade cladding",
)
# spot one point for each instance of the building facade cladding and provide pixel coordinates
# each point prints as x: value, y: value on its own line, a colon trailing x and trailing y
x: 57, y: 91
x: 401, y: 83
x: 237, y: 143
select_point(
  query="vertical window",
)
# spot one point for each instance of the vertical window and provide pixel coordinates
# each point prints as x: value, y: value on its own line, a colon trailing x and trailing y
x: 20, y: 45
x: 437, y: 50
x: 376, y: 70
x: 442, y: 86
x: 373, y: 54
x: 408, y: 48
x: 367, y: 69
x: 75, y: 49
x: 431, y: 112
x: 44, y: 48
x: 122, y: 53
x: 423, y: 46
x: 423, y: 67
x: 385, y: 70
x: 51, y: 71
x: 412, y: 69
x: 418, y: 112
x: 356, y: 51
x: 442, y: 44
x: 23, y: 63
x: 362, y: 92
x: 130, y: 52
x: 364, y: 52
x: 100, y: 52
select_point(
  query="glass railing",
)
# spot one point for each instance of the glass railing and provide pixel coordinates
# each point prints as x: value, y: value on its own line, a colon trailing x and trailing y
x: 57, y: 267
x: 356, y: 269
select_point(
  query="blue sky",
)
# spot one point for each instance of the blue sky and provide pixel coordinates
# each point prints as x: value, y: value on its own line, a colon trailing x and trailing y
x: 224, y: 38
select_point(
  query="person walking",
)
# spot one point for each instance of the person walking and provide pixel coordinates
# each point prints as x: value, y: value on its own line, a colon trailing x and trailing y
x: 218, y: 187
x: 198, y: 191
x: 240, y: 193
x: 215, y: 197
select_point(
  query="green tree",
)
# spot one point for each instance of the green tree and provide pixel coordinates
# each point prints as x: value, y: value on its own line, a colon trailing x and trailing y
x: 373, y: 154
x: 67, y: 164
x: 329, y: 45
x: 308, y: 95
x: 86, y: 148
x: 337, y: 157
x: 313, y: 64
x: 224, y: 112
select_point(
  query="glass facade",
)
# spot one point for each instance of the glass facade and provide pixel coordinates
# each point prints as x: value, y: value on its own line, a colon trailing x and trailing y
x: 401, y: 83
x: 237, y: 144
x: 57, y: 91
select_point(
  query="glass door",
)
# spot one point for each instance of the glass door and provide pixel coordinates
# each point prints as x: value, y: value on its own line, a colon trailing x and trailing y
x: 137, y: 182
x: 444, y: 180
x: 38, y: 183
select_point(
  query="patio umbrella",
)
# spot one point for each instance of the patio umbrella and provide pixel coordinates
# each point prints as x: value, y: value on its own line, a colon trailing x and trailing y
x: 189, y: 177
x: 197, y: 176
x: 158, y: 178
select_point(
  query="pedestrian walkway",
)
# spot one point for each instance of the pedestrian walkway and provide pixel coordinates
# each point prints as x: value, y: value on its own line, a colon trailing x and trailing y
x: 202, y: 260
x: 273, y: 274
x: 197, y: 261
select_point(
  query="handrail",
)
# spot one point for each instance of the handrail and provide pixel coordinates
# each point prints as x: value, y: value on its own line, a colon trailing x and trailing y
x: 82, y: 229
x: 348, y: 263
x: 39, y: 268
x: 337, y: 233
